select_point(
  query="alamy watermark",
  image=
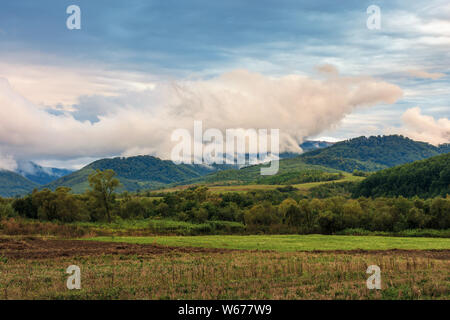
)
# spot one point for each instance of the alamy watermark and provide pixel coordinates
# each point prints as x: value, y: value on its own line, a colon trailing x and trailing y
x: 374, y: 20
x: 74, y: 280
x: 74, y: 20
x: 374, y: 281
x: 210, y: 147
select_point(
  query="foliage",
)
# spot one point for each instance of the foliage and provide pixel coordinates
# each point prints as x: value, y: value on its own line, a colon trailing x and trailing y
x: 102, y: 197
x: 426, y: 178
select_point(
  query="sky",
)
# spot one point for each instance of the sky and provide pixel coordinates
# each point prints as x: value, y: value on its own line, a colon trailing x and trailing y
x: 139, y: 69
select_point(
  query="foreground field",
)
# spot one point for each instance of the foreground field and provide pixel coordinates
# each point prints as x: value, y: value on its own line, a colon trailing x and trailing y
x: 35, y: 269
x: 290, y: 242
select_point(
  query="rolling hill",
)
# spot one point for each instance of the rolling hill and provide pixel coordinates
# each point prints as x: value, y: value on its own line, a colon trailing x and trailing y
x: 425, y: 178
x: 372, y: 153
x: 13, y: 184
x: 134, y: 173
x: 362, y: 153
x: 291, y: 171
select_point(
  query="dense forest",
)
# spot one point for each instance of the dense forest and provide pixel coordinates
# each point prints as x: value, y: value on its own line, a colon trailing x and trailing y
x: 425, y: 178
x: 373, y: 153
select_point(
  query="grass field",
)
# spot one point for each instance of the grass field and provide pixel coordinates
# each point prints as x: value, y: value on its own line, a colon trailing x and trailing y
x: 284, y: 243
x: 110, y: 271
x: 217, y: 188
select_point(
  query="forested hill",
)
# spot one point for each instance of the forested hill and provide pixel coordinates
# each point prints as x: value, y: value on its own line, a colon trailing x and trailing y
x: 425, y: 178
x: 13, y: 184
x: 135, y: 173
x: 373, y: 153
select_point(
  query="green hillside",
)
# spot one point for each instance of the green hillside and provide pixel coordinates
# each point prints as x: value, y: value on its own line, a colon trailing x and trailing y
x: 13, y: 184
x: 134, y: 173
x: 291, y: 171
x: 362, y: 153
x: 373, y: 153
x: 425, y: 178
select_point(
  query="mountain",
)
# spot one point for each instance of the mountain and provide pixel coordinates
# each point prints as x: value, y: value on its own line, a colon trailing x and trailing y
x: 444, y: 148
x: 372, y: 153
x: 362, y: 153
x: 135, y: 173
x: 306, y: 146
x: 310, y: 145
x: 424, y: 178
x: 38, y: 174
x: 13, y: 184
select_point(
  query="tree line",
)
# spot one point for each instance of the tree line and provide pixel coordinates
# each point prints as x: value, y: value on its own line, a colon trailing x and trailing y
x: 261, y: 211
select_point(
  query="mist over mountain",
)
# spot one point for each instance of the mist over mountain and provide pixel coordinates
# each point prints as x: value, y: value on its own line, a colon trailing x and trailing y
x: 39, y: 174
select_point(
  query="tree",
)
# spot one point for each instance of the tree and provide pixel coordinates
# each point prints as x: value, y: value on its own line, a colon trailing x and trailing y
x: 103, y: 185
x: 290, y: 212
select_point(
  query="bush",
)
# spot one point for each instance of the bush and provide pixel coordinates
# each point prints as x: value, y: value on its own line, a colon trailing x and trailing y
x: 7, y: 211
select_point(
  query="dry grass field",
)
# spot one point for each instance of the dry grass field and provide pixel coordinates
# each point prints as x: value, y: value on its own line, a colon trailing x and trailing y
x: 32, y: 268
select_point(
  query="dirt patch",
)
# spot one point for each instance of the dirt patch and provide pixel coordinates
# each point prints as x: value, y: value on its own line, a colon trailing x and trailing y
x: 35, y: 248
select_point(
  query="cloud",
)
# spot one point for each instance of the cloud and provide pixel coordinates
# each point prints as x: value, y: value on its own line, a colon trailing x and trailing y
x: 425, y: 128
x: 425, y: 75
x: 141, y: 122
x: 62, y: 85
x: 7, y: 162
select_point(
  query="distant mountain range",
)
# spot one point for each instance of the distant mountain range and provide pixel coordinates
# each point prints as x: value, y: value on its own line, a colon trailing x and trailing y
x: 147, y: 172
x: 38, y: 174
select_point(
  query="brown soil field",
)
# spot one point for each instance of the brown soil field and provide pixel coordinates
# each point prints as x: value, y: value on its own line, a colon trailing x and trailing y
x: 36, y: 248
x: 39, y: 248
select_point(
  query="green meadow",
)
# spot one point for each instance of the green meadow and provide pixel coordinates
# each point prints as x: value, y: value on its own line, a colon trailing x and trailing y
x: 287, y: 243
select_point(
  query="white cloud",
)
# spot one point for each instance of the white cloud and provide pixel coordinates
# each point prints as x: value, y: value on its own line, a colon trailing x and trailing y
x: 52, y: 85
x: 7, y: 162
x: 142, y: 122
x: 424, y: 128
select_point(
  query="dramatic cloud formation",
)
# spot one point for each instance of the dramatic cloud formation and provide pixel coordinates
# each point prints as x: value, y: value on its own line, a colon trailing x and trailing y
x: 141, y: 122
x: 425, y: 128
